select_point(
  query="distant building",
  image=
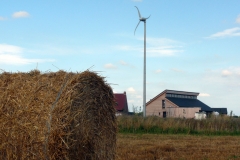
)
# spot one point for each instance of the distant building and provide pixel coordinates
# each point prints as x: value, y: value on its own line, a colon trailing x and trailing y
x: 171, y: 103
x: 121, y: 103
x: 220, y: 110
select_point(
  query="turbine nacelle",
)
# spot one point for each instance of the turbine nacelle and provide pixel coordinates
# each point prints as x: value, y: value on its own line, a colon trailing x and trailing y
x: 143, y: 19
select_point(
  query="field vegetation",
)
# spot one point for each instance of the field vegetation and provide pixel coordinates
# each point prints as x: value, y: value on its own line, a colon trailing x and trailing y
x: 177, y: 147
x: 221, y: 125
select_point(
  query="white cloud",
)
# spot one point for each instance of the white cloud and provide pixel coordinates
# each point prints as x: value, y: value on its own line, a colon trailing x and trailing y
x: 238, y: 19
x: 204, y: 95
x: 131, y: 101
x: 227, y: 33
x: 177, y: 70
x: 123, y: 63
x: 126, y: 48
x: 131, y: 90
x: 226, y: 73
x: 110, y: 66
x: 231, y: 71
x: 160, y: 41
x: 156, y: 47
x: 5, y: 48
x: 138, y: 96
x: 223, y: 77
x: 163, y: 47
x: 158, y: 71
x: 159, y: 52
x: 12, y: 55
x: 20, y: 14
x: 238, y: 71
x: 18, y: 60
x: 2, y: 18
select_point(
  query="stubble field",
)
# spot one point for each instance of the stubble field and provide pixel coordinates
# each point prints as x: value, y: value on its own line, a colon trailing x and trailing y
x: 177, y: 147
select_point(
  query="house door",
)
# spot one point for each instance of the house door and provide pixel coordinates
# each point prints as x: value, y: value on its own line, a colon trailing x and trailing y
x: 164, y: 115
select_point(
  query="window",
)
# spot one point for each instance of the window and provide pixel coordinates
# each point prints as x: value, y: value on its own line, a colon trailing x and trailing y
x: 184, y: 112
x: 163, y: 103
x: 181, y: 96
x: 159, y: 113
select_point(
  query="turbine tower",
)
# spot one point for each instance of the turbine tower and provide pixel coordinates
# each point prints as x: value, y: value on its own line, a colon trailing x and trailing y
x: 144, y: 62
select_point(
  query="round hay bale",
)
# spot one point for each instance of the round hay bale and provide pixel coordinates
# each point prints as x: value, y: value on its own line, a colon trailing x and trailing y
x: 94, y: 123
x: 56, y: 116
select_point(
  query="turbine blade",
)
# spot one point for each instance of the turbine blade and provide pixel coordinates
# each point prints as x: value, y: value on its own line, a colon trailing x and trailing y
x: 148, y: 17
x: 139, y: 13
x: 136, y: 27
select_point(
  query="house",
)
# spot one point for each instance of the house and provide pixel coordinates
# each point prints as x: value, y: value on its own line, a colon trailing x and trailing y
x: 172, y: 103
x: 121, y: 103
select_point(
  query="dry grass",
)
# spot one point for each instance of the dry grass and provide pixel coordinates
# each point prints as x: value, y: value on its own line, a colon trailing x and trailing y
x: 177, y: 147
x: 221, y: 125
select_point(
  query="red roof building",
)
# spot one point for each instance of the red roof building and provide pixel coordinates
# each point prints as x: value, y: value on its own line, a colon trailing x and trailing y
x: 121, y: 102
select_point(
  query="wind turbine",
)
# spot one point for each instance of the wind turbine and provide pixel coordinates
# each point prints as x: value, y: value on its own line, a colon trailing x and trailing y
x: 144, y: 62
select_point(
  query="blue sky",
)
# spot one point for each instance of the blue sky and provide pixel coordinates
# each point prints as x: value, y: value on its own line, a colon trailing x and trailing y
x: 191, y: 45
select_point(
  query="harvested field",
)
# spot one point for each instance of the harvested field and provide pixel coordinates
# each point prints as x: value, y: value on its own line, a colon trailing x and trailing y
x: 177, y: 147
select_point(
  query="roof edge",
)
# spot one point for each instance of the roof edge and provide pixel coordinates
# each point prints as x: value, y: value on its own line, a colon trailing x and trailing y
x: 182, y: 92
x: 151, y: 100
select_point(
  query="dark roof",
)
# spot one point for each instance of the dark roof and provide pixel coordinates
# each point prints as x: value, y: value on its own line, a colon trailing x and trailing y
x: 121, y: 100
x: 185, y: 102
x: 220, y: 110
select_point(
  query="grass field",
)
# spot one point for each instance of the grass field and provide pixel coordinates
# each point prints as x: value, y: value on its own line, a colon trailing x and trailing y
x: 177, y: 147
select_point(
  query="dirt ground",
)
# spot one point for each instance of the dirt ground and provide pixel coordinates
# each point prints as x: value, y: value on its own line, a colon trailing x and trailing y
x: 177, y: 147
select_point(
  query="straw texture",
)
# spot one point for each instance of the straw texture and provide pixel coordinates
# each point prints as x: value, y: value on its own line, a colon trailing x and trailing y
x: 57, y: 115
